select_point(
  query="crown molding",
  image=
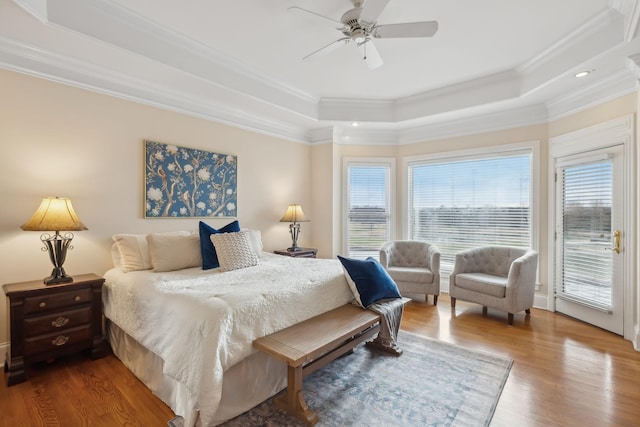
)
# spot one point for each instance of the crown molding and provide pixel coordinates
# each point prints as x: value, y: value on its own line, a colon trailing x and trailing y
x: 620, y: 83
x: 110, y: 23
x: 352, y: 136
x: 630, y: 9
x: 228, y: 91
x: 600, y: 34
x: 505, y: 118
x: 36, y: 8
x: 36, y: 62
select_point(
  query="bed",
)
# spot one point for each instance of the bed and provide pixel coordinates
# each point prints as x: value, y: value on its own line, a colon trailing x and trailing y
x: 188, y: 333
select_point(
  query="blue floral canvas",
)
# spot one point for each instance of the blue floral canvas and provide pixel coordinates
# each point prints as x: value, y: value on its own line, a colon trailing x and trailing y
x: 184, y: 182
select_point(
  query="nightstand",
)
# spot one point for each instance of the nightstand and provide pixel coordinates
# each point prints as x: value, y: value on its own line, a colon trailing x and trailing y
x: 47, y: 321
x: 302, y: 253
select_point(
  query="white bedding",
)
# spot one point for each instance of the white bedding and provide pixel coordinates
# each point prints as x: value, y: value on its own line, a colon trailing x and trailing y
x: 202, y: 323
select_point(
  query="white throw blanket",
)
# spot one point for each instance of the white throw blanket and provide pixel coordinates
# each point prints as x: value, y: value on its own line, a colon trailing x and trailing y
x: 203, y: 322
x: 390, y: 312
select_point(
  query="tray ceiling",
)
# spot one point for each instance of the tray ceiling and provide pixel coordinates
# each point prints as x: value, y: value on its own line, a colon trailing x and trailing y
x: 497, y: 61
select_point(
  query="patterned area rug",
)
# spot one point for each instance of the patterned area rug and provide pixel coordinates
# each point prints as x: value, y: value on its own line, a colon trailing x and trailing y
x: 432, y: 384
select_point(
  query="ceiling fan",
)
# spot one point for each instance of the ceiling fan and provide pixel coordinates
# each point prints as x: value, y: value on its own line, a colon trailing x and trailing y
x: 359, y: 26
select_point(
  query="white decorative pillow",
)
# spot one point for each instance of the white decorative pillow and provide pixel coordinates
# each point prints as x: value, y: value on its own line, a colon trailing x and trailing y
x: 174, y: 252
x: 116, y: 259
x: 234, y: 250
x: 255, y: 238
x: 134, y: 253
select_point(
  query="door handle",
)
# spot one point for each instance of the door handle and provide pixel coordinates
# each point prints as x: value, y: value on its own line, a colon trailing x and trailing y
x: 617, y: 237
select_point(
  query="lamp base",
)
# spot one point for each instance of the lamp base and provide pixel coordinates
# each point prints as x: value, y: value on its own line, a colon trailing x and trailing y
x: 58, y: 275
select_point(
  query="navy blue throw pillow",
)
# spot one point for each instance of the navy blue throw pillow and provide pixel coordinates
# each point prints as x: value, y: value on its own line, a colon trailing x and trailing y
x: 368, y: 280
x: 209, y: 255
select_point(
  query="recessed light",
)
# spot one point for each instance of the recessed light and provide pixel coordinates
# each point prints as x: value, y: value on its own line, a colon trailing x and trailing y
x: 355, y: 124
x: 582, y: 74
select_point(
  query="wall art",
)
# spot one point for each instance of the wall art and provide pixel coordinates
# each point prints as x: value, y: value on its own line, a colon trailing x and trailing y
x: 184, y: 182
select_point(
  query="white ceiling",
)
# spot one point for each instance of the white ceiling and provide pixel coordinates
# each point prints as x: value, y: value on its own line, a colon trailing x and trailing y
x: 492, y: 64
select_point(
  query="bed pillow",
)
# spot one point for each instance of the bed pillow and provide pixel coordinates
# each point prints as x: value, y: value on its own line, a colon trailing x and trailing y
x: 134, y: 252
x: 255, y: 237
x: 116, y: 259
x: 234, y: 250
x: 368, y: 280
x: 171, y: 252
x: 207, y: 250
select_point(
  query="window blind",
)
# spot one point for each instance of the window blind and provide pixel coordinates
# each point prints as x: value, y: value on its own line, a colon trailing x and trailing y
x: 461, y: 203
x: 368, y: 210
x: 586, y: 226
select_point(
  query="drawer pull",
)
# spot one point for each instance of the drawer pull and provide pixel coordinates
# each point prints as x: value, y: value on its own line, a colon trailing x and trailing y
x: 77, y: 298
x: 60, y: 340
x: 43, y: 304
x: 60, y: 322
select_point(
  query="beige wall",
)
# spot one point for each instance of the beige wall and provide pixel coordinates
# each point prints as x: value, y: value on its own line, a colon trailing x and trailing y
x: 61, y: 141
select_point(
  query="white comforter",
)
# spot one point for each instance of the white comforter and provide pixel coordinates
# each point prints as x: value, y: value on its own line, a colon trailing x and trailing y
x: 203, y: 322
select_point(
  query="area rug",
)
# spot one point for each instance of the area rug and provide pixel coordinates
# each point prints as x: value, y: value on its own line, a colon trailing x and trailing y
x: 433, y: 383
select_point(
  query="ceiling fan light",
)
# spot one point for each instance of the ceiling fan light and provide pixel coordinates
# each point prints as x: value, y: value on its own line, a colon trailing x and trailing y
x: 355, y: 124
x: 359, y: 36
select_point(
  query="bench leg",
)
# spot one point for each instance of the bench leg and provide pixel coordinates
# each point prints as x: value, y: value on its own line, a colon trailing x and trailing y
x: 293, y: 400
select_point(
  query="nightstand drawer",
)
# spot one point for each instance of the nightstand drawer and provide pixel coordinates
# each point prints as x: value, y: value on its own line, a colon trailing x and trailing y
x: 57, y: 321
x: 44, y: 303
x: 56, y: 341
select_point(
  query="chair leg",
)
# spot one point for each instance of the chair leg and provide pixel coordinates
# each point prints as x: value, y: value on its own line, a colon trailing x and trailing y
x: 528, y: 311
x: 453, y: 302
x: 435, y: 300
x: 484, y: 310
x: 510, y: 318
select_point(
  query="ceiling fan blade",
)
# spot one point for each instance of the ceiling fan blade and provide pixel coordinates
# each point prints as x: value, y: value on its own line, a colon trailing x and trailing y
x: 328, y: 48
x: 372, y: 9
x: 409, y: 29
x: 370, y: 55
x: 311, y: 14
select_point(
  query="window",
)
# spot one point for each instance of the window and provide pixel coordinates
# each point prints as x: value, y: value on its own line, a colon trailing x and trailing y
x: 368, y: 206
x: 464, y: 202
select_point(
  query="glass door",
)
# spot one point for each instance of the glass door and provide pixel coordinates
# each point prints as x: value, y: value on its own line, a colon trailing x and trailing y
x: 589, y: 238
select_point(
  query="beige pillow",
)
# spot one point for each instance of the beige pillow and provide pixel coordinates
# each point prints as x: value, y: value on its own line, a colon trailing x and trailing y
x: 234, y: 250
x: 174, y: 252
x: 134, y: 250
x: 116, y: 259
x: 134, y: 253
x: 255, y: 237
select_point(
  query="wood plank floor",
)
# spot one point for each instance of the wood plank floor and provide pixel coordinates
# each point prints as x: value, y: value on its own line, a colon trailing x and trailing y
x: 565, y: 373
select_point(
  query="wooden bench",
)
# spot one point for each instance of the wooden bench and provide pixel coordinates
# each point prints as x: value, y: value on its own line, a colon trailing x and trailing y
x: 309, y: 345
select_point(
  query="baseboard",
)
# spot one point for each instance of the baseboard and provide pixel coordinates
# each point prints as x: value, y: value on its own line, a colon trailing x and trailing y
x: 635, y: 340
x: 541, y: 302
x: 4, y: 347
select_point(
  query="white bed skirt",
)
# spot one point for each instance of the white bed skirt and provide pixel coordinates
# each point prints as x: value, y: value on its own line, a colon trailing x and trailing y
x: 245, y: 385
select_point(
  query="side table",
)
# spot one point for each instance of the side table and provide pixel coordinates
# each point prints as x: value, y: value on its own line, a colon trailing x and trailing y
x: 47, y: 321
x: 302, y: 253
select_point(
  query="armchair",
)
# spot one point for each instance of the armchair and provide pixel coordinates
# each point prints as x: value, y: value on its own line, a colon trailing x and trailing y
x: 499, y: 277
x: 414, y: 266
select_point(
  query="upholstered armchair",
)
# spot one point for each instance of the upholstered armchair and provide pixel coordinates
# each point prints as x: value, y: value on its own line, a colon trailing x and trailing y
x: 499, y: 277
x: 414, y: 266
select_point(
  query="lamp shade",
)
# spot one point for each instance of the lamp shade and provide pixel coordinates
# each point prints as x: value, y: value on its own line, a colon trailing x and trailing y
x: 294, y: 213
x: 54, y: 214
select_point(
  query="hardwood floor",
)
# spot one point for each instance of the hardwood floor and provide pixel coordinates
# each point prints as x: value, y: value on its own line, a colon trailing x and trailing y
x: 565, y: 373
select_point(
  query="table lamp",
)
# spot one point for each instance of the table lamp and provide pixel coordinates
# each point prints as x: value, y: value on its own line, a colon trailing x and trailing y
x: 55, y: 214
x: 295, y: 216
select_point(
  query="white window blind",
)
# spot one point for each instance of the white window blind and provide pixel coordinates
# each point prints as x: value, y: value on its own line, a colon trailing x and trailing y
x: 368, y: 209
x: 461, y: 203
x: 586, y: 227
